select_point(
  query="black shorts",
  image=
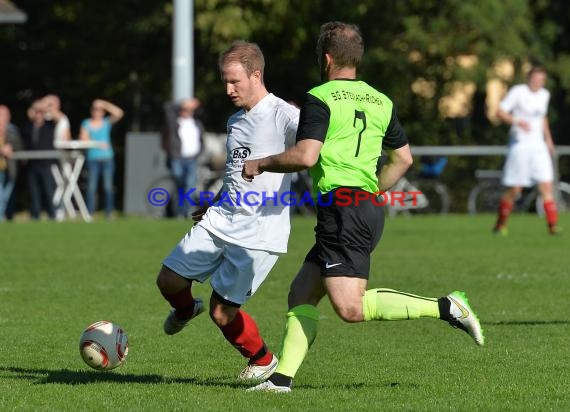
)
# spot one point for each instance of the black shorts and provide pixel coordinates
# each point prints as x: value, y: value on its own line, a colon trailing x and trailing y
x: 346, y: 233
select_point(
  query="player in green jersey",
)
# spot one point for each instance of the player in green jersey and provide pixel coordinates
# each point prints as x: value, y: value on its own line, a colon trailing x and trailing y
x: 343, y: 127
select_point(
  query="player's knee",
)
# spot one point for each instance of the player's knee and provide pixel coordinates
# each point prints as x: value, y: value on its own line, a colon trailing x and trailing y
x: 169, y: 282
x: 222, y: 315
x: 162, y: 280
x: 218, y: 318
x: 349, y: 313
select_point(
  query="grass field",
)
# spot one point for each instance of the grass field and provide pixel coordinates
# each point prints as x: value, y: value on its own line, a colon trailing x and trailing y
x: 55, y: 279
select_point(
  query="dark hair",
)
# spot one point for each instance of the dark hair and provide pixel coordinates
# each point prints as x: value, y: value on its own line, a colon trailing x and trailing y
x: 535, y: 69
x: 249, y: 55
x: 343, y: 42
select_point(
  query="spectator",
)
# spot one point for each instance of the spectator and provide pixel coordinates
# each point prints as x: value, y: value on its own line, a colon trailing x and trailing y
x: 53, y: 112
x: 62, y: 132
x: 184, y: 143
x: 10, y: 141
x: 38, y: 134
x: 100, y: 161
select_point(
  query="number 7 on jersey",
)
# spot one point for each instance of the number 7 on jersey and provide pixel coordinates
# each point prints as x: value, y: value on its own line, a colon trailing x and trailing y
x: 358, y: 114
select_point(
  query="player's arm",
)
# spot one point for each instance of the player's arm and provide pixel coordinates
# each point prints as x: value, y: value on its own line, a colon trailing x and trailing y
x: 506, y: 106
x: 505, y: 117
x: 298, y: 156
x: 303, y: 155
x: 395, y: 144
x: 508, y: 118
x: 313, y: 126
x: 399, y: 161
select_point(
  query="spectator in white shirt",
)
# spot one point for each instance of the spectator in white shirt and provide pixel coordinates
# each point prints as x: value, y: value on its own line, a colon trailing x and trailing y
x: 53, y: 112
x: 184, y: 142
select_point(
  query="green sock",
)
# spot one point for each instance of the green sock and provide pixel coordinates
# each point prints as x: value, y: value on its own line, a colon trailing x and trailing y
x: 388, y: 304
x: 300, y: 332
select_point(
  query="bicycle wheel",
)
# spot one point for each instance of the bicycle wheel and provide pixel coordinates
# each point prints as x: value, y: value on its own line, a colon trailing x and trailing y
x: 484, y: 198
x: 562, y: 199
x: 563, y: 196
x: 437, y: 196
x: 405, y: 197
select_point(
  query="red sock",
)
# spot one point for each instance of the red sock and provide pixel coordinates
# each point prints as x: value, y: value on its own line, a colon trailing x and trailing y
x: 505, y: 208
x: 243, y: 334
x: 551, y: 213
x: 182, y: 301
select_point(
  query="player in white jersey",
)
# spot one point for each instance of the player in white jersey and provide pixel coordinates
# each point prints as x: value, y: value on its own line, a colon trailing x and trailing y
x: 240, y: 236
x: 529, y: 160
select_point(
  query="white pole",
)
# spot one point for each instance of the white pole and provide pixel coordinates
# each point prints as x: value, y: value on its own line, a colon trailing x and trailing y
x: 183, y: 50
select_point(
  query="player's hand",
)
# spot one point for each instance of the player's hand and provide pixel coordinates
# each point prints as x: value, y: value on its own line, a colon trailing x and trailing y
x: 251, y: 169
x: 197, y: 215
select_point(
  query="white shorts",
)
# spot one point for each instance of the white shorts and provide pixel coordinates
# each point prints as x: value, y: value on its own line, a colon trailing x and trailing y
x: 527, y: 165
x: 236, y: 272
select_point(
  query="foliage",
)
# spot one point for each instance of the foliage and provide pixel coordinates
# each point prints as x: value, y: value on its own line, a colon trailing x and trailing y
x: 122, y: 51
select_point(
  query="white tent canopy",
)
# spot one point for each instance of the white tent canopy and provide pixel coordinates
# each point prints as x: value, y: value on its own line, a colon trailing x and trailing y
x: 10, y: 13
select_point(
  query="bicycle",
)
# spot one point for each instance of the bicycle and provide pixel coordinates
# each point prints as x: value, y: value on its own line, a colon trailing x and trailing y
x: 426, y: 194
x: 486, y: 194
x: 211, y: 180
x: 420, y: 196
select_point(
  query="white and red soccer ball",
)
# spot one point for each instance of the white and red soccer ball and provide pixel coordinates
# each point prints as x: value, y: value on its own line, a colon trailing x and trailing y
x: 104, y: 345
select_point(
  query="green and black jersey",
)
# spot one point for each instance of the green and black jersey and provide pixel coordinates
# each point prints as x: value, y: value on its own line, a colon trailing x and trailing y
x: 354, y: 121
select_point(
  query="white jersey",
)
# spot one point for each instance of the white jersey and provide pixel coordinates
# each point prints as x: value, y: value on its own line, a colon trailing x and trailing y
x: 524, y: 104
x: 253, y: 214
x: 61, y: 128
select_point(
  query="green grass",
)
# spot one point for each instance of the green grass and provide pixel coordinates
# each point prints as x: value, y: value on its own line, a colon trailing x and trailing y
x: 55, y: 279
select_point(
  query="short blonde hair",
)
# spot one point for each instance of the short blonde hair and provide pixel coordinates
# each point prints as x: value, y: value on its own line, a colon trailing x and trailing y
x: 249, y: 55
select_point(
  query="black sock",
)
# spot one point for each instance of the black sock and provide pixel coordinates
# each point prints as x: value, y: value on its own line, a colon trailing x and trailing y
x: 280, y: 380
x: 444, y: 308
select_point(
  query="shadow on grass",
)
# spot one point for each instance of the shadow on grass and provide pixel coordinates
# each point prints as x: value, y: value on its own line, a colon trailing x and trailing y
x: 527, y: 322
x: 355, y: 385
x: 71, y: 377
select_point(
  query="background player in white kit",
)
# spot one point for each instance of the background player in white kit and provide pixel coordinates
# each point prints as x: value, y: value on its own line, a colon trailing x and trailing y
x: 237, y: 245
x: 529, y: 159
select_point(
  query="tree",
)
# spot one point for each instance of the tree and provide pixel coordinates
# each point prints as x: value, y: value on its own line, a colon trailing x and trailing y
x: 122, y: 50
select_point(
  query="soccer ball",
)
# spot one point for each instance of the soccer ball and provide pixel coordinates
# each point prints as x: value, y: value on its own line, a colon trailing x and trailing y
x: 104, y: 345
